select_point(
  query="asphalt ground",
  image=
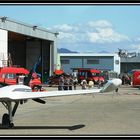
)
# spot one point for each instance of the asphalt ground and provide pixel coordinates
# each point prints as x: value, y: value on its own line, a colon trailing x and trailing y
x: 113, y: 114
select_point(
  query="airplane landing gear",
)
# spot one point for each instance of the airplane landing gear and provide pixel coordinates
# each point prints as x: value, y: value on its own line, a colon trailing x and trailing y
x: 6, y: 123
x: 7, y: 119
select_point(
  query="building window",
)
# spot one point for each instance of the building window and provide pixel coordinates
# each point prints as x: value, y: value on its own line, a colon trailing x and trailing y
x: 91, y: 61
x: 65, y: 61
x: 117, y: 62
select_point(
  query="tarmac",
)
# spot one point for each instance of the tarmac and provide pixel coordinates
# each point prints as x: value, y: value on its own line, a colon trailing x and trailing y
x: 106, y: 114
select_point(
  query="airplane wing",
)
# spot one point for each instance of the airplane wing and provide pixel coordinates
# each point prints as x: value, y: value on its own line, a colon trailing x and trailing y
x: 28, y: 94
x: 22, y: 92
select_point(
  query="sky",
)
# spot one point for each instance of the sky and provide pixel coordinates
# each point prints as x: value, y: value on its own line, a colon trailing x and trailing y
x: 84, y: 28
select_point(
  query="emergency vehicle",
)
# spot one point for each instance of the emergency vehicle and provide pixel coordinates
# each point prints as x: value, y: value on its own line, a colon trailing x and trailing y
x: 16, y: 75
x: 135, y: 78
x: 90, y: 74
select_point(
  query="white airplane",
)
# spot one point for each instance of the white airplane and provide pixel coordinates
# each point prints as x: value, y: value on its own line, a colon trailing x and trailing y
x: 21, y: 93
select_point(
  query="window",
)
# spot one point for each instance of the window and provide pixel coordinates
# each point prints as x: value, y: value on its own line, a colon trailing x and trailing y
x: 65, y: 61
x: 91, y: 61
x: 95, y: 74
x: 117, y: 62
x: 10, y: 76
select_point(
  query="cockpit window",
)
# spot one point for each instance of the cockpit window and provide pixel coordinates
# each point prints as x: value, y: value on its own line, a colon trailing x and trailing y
x: 22, y: 90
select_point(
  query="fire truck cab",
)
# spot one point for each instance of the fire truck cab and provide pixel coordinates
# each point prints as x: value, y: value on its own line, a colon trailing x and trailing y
x: 15, y: 75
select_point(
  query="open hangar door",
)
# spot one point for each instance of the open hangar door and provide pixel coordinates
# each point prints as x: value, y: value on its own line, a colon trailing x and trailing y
x: 24, y: 52
x: 127, y: 67
x: 35, y: 49
x: 17, y: 49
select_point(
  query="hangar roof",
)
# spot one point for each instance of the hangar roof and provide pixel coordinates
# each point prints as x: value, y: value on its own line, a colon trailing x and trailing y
x: 88, y: 54
x: 131, y: 60
x: 12, y: 25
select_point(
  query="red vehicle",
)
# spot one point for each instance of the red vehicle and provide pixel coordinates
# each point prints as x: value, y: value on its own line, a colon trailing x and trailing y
x: 90, y: 74
x: 135, y: 75
x: 54, y: 79
x: 15, y: 75
x: 58, y: 72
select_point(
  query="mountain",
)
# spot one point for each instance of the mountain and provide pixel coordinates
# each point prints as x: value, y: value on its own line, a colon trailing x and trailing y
x: 64, y: 50
x: 103, y: 52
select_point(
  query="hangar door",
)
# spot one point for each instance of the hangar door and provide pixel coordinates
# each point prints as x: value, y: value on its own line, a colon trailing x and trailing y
x: 126, y: 67
x: 35, y: 50
x: 17, y: 49
x: 24, y: 52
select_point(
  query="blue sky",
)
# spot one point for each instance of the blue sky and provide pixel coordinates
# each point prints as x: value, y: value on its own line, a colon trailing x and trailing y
x: 84, y: 28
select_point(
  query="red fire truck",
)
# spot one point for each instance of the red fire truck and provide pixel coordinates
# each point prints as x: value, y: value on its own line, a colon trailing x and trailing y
x: 90, y: 74
x: 16, y: 75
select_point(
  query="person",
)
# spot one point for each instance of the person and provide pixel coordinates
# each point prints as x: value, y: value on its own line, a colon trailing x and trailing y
x: 61, y: 83
x: 116, y: 90
x: 70, y: 82
x: 66, y: 82
x: 90, y: 84
x: 75, y: 81
x: 127, y: 80
x: 99, y: 83
x: 106, y: 76
x: 84, y: 84
x: 74, y: 74
x: 17, y: 78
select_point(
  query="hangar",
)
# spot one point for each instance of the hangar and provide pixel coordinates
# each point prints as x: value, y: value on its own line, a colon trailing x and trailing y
x: 128, y: 64
x: 70, y: 61
x: 22, y: 44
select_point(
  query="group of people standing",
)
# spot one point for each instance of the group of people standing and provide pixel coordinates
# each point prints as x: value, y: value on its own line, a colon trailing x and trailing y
x: 86, y: 85
x: 66, y: 82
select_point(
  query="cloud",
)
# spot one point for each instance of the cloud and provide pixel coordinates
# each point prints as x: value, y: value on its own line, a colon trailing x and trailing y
x: 99, y: 24
x: 135, y: 47
x: 137, y: 39
x: 65, y: 28
x: 67, y: 37
x: 90, y: 33
x: 106, y: 35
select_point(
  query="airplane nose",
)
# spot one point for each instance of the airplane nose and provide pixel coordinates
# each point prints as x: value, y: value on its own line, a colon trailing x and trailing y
x: 111, y: 85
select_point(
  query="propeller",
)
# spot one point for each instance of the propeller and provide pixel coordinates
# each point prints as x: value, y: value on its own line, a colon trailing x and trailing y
x: 39, y: 100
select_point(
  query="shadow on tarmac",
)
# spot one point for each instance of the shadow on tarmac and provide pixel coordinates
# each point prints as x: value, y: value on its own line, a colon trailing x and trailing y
x: 74, y: 127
